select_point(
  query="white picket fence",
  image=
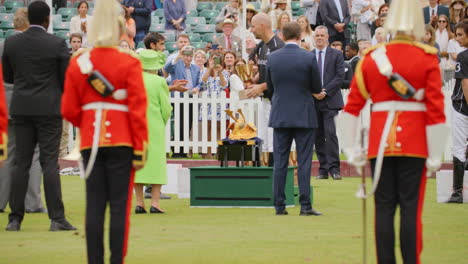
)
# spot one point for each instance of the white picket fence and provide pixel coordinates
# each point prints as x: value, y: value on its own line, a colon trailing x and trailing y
x: 197, y: 139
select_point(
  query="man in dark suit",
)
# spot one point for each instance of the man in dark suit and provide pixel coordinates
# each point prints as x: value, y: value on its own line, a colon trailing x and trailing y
x: 327, y: 104
x: 351, y: 52
x: 35, y: 62
x: 433, y: 10
x: 292, y: 77
x: 336, y: 17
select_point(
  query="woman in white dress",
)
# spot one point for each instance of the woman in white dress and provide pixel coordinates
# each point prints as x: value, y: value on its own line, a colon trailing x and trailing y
x: 79, y: 23
x: 443, y: 35
x: 307, y: 34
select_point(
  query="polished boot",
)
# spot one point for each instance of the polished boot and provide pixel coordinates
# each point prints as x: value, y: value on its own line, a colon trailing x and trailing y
x: 458, y: 172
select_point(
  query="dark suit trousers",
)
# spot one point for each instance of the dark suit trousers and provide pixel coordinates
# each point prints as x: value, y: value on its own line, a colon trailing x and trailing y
x: 326, y: 142
x: 110, y: 182
x: 282, y: 140
x: 45, y: 131
x: 402, y: 182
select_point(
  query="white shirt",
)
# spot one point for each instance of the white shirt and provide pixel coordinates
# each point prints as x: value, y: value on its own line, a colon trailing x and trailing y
x: 324, y: 52
x: 340, y: 10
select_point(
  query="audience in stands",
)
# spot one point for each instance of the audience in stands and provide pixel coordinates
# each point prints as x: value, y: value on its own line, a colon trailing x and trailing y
x: 351, y: 52
x: 235, y: 83
x: 379, y: 22
x: 336, y: 18
x: 231, y: 9
x: 432, y: 12
x: 364, y: 11
x: 229, y: 41
x: 200, y: 59
x: 280, y: 8
x: 348, y: 76
x: 175, y: 14
x: 76, y: 41
x: 311, y: 11
x: 79, y: 23
x: 229, y: 59
x: 124, y: 44
x: 442, y: 36
x: 456, y: 12
x: 140, y: 10
x: 130, y: 28
x: 363, y: 45
x: 282, y: 19
x: 307, y: 34
x: 251, y: 12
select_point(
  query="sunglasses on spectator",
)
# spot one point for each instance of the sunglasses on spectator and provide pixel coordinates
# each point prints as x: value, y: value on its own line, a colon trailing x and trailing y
x: 442, y: 21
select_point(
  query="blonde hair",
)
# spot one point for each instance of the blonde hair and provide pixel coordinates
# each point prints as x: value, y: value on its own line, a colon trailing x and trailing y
x: 278, y: 20
x: 308, y: 29
x: 20, y: 19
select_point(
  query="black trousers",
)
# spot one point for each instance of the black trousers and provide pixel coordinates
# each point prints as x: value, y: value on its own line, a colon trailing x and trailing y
x: 326, y: 142
x: 45, y: 131
x: 110, y: 181
x: 402, y: 183
x: 282, y: 140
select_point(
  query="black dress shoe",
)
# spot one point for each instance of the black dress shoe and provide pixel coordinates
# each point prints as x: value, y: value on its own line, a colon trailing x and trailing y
x: 154, y: 210
x: 310, y: 212
x: 336, y: 176
x: 13, y: 225
x: 36, y: 211
x: 281, y: 212
x: 140, y: 210
x: 322, y: 177
x: 62, y: 225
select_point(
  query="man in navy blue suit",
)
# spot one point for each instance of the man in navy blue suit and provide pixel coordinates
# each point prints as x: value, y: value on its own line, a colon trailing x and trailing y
x: 327, y: 104
x: 292, y: 77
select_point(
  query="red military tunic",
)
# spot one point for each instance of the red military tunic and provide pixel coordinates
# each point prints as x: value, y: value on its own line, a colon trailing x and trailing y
x: 418, y: 64
x: 118, y: 128
x: 3, y: 120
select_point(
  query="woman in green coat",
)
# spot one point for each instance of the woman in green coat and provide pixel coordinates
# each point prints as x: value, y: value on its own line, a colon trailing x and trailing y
x: 158, y: 112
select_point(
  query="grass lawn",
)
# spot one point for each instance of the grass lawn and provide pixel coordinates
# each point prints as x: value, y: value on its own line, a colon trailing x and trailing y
x: 233, y: 235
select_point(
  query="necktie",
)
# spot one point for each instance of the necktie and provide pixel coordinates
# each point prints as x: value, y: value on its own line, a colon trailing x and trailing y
x: 433, y: 12
x: 229, y: 45
x: 320, y: 66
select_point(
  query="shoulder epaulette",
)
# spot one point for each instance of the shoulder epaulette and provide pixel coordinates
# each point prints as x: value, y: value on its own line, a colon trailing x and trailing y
x: 369, y: 50
x: 129, y: 52
x: 79, y: 52
x: 428, y: 49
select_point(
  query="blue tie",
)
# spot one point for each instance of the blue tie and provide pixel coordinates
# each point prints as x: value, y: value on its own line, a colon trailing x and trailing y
x: 320, y: 65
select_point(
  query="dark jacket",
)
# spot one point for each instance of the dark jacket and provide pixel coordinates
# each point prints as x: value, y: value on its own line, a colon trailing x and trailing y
x: 35, y: 62
x: 141, y: 14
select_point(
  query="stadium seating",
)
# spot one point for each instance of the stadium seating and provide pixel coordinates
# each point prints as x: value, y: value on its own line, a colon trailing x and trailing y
x: 2, y: 9
x: 192, y: 13
x: 295, y: 5
x: 198, y: 45
x: 204, y: 6
x: 210, y: 15
x: 195, y: 20
x: 169, y: 37
x: 6, y: 17
x: 204, y: 29
x: 194, y: 37
x: 67, y: 13
x: 154, y: 20
x: 61, y: 25
x: 171, y: 46
x: 11, y: 5
x: 210, y: 37
x: 62, y: 34
x: 157, y: 28
x: 5, y: 25
x: 159, y: 12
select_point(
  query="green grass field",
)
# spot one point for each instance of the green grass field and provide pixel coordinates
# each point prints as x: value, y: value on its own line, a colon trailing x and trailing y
x: 233, y: 235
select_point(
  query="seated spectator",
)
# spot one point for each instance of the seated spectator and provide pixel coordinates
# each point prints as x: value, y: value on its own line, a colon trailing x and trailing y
x: 338, y: 45
x: 363, y: 45
x: 79, y: 23
x: 213, y: 81
x: 456, y: 12
x: 175, y: 14
x: 351, y: 52
x: 130, y: 28
x: 182, y: 41
x: 250, y: 43
x: 75, y: 42
x: 229, y: 59
x: 281, y: 7
x: 307, y: 35
x: 379, y: 36
x: 140, y: 10
x: 231, y: 9
x: 283, y: 18
x: 229, y: 41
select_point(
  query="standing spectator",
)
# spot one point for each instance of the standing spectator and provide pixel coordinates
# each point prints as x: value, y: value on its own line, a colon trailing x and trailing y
x: 112, y: 154
x: 363, y: 46
x: 200, y: 59
x: 379, y: 22
x: 229, y: 41
x: 453, y: 50
x: 327, y: 104
x: 130, y: 28
x: 141, y: 13
x: 282, y: 19
x: 182, y: 41
x: 379, y: 36
x: 229, y: 58
x: 281, y: 7
x: 75, y: 42
x: 59, y: 4
x: 351, y: 52
x: 158, y: 113
x: 443, y: 35
x: 456, y: 12
x: 433, y: 11
x: 336, y: 17
x: 235, y: 83
x: 429, y: 39
x: 33, y: 200
x: 79, y: 23
x: 251, y: 12
x: 190, y: 4
x: 307, y: 34
x: 155, y: 41
x: 213, y: 81
x: 364, y: 11
x: 460, y: 115
x: 35, y: 111
x: 229, y: 11
x: 261, y: 28
x: 311, y: 11
x: 383, y: 9
x: 175, y: 14
x: 250, y: 43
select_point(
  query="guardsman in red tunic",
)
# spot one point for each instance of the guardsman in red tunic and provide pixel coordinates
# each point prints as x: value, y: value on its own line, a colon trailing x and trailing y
x: 3, y: 122
x: 105, y: 98
x: 403, y: 80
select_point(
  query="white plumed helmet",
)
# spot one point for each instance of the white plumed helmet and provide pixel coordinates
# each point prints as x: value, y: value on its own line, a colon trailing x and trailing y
x: 405, y: 16
x: 107, y: 23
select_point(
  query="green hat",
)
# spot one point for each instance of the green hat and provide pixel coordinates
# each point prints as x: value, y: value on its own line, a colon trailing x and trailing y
x: 151, y: 59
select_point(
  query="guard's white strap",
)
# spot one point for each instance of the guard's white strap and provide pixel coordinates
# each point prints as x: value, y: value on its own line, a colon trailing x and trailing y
x: 383, y: 63
x: 85, y: 64
x: 105, y: 106
x: 398, y: 106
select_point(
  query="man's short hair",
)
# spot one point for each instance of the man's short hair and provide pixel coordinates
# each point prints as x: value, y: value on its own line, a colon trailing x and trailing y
x: 38, y: 11
x: 152, y: 37
x: 20, y: 19
x: 76, y: 35
x: 323, y: 28
x: 463, y: 25
x: 354, y: 46
x: 183, y: 36
x: 336, y: 43
x: 291, y: 31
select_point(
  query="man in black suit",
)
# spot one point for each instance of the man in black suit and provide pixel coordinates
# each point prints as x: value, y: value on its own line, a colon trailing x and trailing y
x: 336, y: 17
x: 433, y: 10
x: 351, y: 52
x: 35, y: 62
x: 292, y: 77
x: 327, y: 104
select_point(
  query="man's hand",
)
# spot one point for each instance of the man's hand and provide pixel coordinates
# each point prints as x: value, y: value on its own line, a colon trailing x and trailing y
x: 320, y: 96
x: 255, y: 90
x: 339, y: 27
x: 131, y: 9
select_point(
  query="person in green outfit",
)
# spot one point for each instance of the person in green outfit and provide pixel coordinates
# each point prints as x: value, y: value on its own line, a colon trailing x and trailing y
x: 158, y: 112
